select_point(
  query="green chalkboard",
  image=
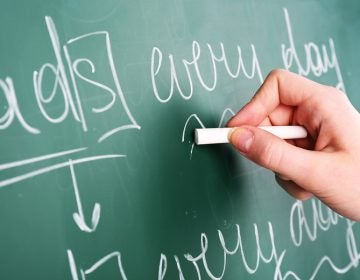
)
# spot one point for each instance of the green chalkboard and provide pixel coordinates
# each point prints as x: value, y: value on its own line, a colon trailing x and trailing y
x: 99, y: 175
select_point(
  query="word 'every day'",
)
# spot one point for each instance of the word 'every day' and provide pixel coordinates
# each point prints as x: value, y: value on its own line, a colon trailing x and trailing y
x: 69, y: 78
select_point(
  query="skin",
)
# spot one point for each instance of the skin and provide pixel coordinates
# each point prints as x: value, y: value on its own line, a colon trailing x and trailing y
x: 327, y: 163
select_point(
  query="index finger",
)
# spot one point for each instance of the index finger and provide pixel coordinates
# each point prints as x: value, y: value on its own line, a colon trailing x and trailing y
x: 280, y: 87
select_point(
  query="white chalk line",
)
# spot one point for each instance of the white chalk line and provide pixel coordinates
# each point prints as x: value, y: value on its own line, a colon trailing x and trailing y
x: 55, y: 167
x: 9, y: 165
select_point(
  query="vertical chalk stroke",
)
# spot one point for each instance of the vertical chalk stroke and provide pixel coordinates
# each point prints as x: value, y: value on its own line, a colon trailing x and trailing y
x: 178, y: 266
x: 72, y: 264
x: 60, y: 80
x: 82, y: 118
x: 13, y: 110
x: 61, y: 88
x: 192, y: 116
x: 162, y: 267
x: 79, y: 216
x: 133, y: 123
x: 85, y: 272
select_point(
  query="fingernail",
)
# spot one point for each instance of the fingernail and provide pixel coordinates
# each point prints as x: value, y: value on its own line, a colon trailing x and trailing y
x: 282, y: 177
x: 242, y: 139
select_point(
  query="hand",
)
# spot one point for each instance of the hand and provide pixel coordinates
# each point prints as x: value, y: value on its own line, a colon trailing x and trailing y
x: 327, y: 163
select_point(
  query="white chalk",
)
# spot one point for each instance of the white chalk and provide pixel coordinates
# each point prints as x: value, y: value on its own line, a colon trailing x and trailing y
x: 205, y: 136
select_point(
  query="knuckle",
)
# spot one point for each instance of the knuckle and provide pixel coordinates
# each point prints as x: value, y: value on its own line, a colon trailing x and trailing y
x: 333, y: 94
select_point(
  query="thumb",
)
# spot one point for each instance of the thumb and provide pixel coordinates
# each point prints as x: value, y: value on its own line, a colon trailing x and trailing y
x: 272, y: 152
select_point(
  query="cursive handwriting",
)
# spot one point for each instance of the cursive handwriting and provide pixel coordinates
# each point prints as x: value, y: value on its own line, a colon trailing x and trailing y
x: 193, y: 64
x: 318, y: 61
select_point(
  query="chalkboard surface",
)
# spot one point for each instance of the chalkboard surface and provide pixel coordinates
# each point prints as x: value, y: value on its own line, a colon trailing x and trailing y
x: 99, y: 175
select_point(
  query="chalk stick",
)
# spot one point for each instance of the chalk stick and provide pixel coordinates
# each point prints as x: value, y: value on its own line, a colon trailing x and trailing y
x: 205, y: 136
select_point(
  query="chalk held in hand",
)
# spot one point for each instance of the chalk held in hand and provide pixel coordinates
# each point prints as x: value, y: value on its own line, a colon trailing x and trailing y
x: 205, y: 136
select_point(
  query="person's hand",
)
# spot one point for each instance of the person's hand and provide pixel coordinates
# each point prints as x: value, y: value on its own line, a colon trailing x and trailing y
x: 327, y: 163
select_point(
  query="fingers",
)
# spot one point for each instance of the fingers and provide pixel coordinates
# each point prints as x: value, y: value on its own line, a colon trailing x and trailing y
x: 280, y: 87
x: 282, y: 115
x: 293, y: 189
x: 273, y: 153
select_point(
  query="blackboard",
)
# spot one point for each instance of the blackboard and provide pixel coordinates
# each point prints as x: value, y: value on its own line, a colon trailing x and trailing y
x: 99, y: 175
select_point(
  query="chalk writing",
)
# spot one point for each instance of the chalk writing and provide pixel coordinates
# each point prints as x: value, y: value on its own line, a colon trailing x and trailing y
x: 60, y: 80
x: 13, y: 109
x: 79, y: 217
x: 119, y: 93
x: 195, y: 117
x: 157, y: 64
x: 53, y: 167
x: 23, y: 162
x: 299, y: 221
x: 74, y: 70
x: 274, y: 256
x: 69, y: 92
x: 268, y: 256
x: 318, y: 60
x: 94, y: 267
